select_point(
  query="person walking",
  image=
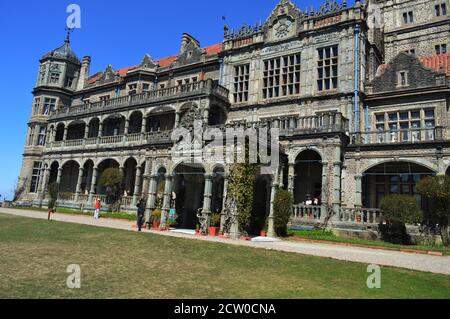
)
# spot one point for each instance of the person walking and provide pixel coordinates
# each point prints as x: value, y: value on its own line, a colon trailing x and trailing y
x: 98, y: 206
x: 140, y: 214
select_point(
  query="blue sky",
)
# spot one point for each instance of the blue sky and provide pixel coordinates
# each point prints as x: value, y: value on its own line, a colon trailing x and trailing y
x: 112, y: 32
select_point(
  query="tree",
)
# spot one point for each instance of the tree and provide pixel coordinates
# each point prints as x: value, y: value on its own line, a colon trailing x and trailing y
x: 53, y: 191
x: 282, y: 209
x: 437, y: 190
x: 112, y: 179
x: 398, y: 210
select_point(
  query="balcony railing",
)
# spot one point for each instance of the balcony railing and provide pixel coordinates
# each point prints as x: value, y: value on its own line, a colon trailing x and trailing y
x: 161, y: 137
x: 307, y: 214
x: 202, y: 87
x: 399, y: 136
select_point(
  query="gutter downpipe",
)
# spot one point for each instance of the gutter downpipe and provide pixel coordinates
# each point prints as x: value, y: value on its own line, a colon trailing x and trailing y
x: 221, y: 71
x: 367, y: 123
x: 356, y: 97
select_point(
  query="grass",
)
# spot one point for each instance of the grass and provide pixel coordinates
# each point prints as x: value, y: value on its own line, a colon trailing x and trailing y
x: 120, y: 264
x: 329, y: 236
x: 68, y: 211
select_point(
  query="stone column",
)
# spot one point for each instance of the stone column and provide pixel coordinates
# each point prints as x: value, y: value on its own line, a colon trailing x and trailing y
x: 291, y: 185
x: 337, y: 166
x: 325, y: 198
x: 58, y: 179
x: 145, y: 181
x: 358, y: 191
x: 93, y: 184
x: 225, y: 192
x: 126, y: 131
x: 177, y: 119
x: 144, y: 128
x: 80, y: 179
x: 207, y: 196
x: 166, y: 203
x: 137, y: 185
x: 271, y: 229
x: 43, y: 185
x: 66, y: 129
x: 151, y: 201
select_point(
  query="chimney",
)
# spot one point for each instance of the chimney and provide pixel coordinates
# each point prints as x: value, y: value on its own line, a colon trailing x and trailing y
x: 187, y: 39
x: 84, y: 73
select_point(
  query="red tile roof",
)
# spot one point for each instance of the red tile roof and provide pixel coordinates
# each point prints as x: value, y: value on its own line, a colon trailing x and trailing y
x: 439, y: 62
x: 164, y: 62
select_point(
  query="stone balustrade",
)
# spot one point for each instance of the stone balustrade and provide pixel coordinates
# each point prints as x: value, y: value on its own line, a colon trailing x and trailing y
x: 400, y: 136
x: 207, y: 87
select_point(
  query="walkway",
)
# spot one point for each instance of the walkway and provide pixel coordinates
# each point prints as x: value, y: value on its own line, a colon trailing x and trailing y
x: 427, y: 263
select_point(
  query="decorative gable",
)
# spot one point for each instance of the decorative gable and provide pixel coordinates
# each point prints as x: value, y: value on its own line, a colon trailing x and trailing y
x: 148, y: 63
x: 284, y: 21
x: 108, y: 76
x: 405, y: 72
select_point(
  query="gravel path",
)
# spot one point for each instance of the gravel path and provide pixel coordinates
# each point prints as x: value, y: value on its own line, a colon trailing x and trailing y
x: 427, y: 263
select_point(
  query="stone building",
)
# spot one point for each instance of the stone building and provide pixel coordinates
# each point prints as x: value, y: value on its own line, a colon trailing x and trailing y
x: 360, y: 95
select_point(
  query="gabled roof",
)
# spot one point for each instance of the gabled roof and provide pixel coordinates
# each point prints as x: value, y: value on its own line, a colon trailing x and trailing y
x: 63, y: 52
x: 163, y: 63
x: 436, y: 62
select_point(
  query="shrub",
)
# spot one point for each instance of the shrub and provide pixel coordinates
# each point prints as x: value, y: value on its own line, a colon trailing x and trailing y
x: 282, y: 207
x: 437, y: 190
x: 53, y: 194
x: 215, y: 220
x: 397, y: 211
x: 156, y: 215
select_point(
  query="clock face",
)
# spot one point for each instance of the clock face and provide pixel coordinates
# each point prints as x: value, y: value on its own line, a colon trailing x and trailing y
x: 283, y: 28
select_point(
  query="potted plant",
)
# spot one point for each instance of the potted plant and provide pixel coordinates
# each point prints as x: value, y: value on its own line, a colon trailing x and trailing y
x: 197, y: 229
x: 265, y: 230
x: 156, y: 218
x: 215, y: 225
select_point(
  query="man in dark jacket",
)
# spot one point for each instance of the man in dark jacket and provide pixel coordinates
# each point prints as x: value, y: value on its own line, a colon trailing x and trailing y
x: 140, y: 214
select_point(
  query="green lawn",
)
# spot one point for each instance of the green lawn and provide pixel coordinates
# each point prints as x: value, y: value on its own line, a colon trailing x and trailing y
x: 121, y: 264
x: 60, y: 210
x: 329, y: 236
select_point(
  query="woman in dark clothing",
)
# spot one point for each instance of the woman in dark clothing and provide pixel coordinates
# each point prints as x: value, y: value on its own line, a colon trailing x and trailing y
x: 140, y: 214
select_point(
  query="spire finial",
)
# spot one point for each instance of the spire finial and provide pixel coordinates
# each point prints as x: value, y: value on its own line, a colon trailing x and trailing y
x: 69, y: 31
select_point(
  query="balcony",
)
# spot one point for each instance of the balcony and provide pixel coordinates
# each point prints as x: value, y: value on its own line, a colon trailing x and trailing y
x: 185, y: 91
x: 409, y: 136
x: 106, y: 142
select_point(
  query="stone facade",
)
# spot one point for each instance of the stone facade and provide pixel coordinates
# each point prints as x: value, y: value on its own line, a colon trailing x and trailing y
x: 360, y: 114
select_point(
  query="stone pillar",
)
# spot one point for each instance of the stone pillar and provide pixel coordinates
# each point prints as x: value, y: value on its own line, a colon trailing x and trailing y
x: 151, y: 201
x: 66, y: 130
x: 167, y: 199
x: 271, y: 229
x: 207, y: 196
x: 358, y: 191
x: 144, y: 128
x: 93, y: 184
x: 36, y: 134
x: 58, y: 179
x: 177, y: 119
x: 137, y: 185
x: 146, y: 179
x: 43, y: 185
x: 337, y: 166
x: 80, y: 179
x: 225, y: 192
x: 291, y: 185
x: 326, y: 198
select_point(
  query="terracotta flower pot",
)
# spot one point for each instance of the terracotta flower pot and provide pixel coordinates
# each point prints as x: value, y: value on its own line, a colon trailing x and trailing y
x: 263, y: 233
x: 156, y: 225
x: 214, y: 231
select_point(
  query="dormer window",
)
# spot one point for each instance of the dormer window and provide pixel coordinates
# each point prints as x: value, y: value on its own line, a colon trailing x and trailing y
x: 132, y: 89
x: 403, y: 78
x: 441, y: 48
x: 408, y: 17
x: 189, y: 54
x: 440, y: 9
